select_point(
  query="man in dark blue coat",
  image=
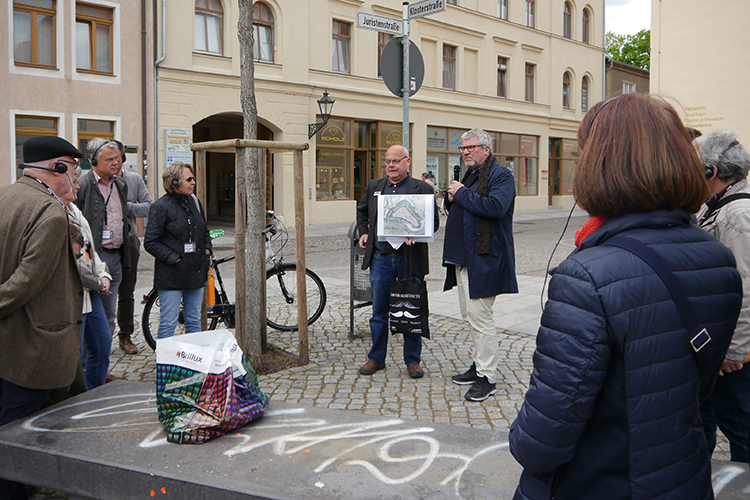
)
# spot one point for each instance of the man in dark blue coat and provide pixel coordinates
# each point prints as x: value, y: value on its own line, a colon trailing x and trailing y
x: 386, y: 262
x: 479, y: 254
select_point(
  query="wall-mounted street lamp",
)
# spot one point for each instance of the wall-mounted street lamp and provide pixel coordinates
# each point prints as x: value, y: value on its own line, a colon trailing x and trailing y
x: 326, y: 105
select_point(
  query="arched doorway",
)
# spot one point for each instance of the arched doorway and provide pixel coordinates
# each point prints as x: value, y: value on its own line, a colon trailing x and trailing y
x: 220, y: 173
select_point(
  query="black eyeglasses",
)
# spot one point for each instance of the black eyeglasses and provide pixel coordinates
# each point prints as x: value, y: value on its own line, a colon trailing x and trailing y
x: 470, y: 148
x: 394, y: 162
x: 190, y: 179
x: 74, y: 163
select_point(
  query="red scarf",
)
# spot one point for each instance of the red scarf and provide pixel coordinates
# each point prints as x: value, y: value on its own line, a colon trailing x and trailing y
x: 591, y: 225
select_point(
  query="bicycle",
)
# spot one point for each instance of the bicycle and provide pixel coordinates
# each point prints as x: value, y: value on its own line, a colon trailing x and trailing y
x: 281, y: 286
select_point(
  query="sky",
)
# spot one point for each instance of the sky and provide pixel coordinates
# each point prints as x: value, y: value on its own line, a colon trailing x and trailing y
x: 628, y: 17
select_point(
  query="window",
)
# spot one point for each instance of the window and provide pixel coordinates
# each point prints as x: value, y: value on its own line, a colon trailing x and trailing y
x: 585, y: 94
x: 563, y: 155
x: 452, y: 2
x: 91, y: 129
x: 34, y: 32
x: 567, y: 20
x: 529, y: 95
x: 93, y: 38
x: 341, y: 46
x: 209, y: 19
x: 502, y: 9
x: 520, y: 153
x: 586, y: 26
x: 449, y: 67
x: 26, y: 128
x: 530, y: 5
x: 502, y: 76
x: 628, y: 88
x: 566, y: 90
x: 262, y: 32
x: 383, y: 39
x: 443, y: 155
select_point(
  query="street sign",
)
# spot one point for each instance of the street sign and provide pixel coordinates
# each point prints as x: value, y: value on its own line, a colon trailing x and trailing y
x: 425, y: 8
x: 391, y: 67
x: 380, y: 23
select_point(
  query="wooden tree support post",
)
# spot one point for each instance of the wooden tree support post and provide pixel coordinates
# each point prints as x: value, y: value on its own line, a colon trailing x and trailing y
x: 299, y: 238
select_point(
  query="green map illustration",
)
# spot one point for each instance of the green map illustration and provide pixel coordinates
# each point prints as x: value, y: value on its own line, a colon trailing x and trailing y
x: 404, y: 215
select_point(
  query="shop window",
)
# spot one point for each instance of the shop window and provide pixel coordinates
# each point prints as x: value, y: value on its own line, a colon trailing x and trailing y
x: 262, y: 32
x: 563, y: 161
x: 209, y: 22
x: 341, y: 46
x: 94, y: 38
x: 34, y: 33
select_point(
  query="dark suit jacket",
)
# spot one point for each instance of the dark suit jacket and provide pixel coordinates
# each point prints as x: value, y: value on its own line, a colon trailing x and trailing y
x: 367, y: 223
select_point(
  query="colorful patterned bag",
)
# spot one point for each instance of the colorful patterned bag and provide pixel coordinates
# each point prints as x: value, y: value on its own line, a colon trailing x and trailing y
x: 205, y: 386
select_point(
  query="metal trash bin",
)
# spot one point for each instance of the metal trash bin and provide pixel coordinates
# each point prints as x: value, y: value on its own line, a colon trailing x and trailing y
x: 359, y: 280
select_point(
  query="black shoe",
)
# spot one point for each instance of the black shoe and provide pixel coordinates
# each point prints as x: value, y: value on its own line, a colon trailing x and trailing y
x: 466, y: 378
x: 481, y: 390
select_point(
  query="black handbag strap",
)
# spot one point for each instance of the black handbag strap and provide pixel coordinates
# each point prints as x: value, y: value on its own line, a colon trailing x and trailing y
x: 699, y: 335
x: 407, y: 255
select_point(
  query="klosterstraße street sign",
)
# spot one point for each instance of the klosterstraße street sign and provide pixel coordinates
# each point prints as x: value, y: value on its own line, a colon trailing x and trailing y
x: 425, y: 8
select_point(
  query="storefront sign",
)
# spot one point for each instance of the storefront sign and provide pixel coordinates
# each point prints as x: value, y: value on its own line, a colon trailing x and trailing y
x: 333, y: 134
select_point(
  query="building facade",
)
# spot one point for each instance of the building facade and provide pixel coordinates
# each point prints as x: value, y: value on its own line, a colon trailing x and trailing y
x: 711, y: 37
x: 77, y: 70
x: 623, y: 78
x: 525, y: 71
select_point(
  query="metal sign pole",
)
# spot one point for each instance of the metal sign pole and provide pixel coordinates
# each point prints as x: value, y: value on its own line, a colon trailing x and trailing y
x: 406, y: 87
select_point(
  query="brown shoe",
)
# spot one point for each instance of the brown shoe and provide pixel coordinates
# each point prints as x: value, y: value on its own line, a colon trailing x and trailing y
x: 112, y: 378
x: 127, y: 345
x: 369, y: 368
x: 415, y: 371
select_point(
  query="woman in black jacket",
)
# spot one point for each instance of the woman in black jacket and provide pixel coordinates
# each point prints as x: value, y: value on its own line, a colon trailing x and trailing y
x: 612, y: 406
x: 177, y: 236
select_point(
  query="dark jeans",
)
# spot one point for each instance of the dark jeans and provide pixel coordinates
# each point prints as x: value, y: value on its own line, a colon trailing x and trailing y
x: 728, y: 407
x: 383, y: 270
x: 125, y: 299
x: 98, y: 341
x: 17, y: 402
x: 109, y: 300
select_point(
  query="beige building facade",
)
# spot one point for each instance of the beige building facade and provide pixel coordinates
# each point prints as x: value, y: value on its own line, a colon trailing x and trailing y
x: 75, y: 70
x: 699, y: 61
x: 525, y: 71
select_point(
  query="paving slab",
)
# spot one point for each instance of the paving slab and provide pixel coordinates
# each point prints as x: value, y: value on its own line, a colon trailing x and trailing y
x: 109, y: 444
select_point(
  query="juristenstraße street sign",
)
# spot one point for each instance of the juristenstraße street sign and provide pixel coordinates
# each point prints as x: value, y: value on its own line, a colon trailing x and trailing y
x: 426, y: 7
x: 380, y: 23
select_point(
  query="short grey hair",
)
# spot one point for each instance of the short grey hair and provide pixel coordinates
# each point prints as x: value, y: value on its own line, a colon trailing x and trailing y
x: 95, y: 146
x: 484, y: 137
x: 718, y: 148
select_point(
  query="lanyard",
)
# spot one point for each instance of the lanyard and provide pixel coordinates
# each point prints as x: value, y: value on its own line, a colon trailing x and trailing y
x: 106, y: 202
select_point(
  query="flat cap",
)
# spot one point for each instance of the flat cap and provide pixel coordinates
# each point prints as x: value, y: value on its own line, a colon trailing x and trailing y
x: 45, y: 147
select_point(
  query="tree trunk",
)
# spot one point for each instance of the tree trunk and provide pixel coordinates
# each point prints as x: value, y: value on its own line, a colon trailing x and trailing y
x: 250, y: 214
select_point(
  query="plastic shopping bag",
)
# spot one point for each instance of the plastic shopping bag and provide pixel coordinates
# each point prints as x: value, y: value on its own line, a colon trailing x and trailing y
x: 205, y: 386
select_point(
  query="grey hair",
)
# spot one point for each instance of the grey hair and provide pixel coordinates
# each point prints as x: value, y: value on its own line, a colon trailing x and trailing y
x: 484, y: 137
x: 95, y: 146
x: 732, y: 163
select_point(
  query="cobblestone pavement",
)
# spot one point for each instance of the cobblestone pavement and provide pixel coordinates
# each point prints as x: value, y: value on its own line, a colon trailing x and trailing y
x: 332, y: 380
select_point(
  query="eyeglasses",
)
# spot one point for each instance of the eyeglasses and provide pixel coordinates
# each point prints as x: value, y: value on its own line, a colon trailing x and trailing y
x: 393, y: 162
x: 470, y: 148
x: 74, y: 163
x: 190, y: 179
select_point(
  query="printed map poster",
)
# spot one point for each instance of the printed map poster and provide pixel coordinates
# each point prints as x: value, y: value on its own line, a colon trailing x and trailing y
x: 406, y: 215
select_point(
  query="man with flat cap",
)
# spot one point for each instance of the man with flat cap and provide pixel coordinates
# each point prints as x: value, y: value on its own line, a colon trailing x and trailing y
x: 40, y: 289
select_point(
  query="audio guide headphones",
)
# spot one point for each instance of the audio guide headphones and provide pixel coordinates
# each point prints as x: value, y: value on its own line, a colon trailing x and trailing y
x: 175, y: 179
x: 60, y: 167
x: 94, y: 161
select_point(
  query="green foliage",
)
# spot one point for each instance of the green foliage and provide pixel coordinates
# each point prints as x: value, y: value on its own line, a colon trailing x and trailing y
x: 630, y: 49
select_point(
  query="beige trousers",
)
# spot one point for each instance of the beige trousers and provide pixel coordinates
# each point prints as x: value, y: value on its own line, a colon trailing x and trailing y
x: 478, y: 313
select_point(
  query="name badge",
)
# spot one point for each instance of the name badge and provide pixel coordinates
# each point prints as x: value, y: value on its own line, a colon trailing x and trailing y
x: 107, y: 234
x: 376, y: 193
x: 189, y: 247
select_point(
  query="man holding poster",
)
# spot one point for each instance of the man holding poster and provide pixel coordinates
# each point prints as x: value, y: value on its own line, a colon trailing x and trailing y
x: 386, y: 260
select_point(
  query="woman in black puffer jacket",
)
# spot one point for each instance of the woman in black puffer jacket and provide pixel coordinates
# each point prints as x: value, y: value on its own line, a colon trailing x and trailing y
x: 177, y: 236
x: 612, y: 406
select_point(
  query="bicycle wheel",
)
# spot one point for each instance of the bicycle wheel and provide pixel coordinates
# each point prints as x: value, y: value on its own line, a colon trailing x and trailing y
x: 281, y: 297
x: 151, y: 315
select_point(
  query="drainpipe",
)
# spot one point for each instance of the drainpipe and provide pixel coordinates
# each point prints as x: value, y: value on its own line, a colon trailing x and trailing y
x: 604, y: 55
x: 144, y: 86
x: 156, y: 93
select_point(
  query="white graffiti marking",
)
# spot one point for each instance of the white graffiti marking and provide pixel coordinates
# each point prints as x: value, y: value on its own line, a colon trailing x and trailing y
x: 722, y: 477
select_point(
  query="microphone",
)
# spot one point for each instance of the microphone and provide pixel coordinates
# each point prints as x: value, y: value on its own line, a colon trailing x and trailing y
x: 456, y: 172
x: 60, y: 167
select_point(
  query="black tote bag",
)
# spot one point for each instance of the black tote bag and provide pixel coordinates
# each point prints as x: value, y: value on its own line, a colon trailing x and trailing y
x: 409, y: 311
